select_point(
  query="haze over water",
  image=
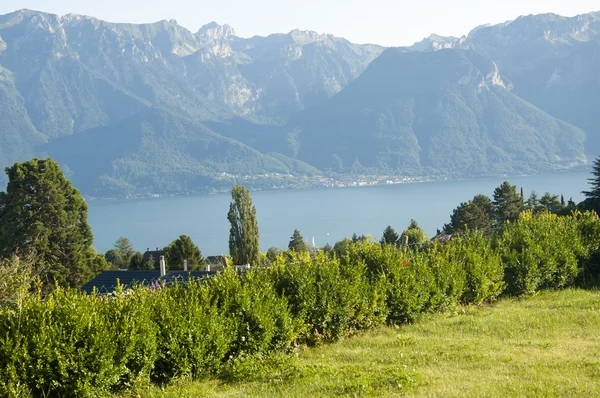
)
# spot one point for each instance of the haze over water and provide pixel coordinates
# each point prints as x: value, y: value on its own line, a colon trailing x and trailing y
x: 328, y: 215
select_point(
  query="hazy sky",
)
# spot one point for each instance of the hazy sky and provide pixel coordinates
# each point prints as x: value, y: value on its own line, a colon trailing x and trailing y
x: 386, y: 22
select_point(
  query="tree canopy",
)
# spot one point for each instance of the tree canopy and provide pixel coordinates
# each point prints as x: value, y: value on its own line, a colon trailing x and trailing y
x: 183, y: 248
x: 508, y: 203
x: 42, y: 214
x: 592, y: 201
x: 477, y: 213
x: 297, y: 243
x: 416, y: 236
x: 390, y: 237
x: 244, y: 240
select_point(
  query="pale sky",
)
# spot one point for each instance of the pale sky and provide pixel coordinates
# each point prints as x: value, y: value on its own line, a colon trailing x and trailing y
x: 385, y: 22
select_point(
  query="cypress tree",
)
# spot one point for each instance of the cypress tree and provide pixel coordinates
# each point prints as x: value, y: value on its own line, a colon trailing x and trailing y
x: 244, y: 240
x: 42, y: 214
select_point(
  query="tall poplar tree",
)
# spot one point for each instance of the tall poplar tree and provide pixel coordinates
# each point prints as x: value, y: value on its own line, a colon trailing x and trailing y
x: 244, y: 241
x: 42, y: 214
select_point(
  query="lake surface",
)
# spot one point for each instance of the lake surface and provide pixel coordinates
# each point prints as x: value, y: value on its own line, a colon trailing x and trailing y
x: 328, y: 214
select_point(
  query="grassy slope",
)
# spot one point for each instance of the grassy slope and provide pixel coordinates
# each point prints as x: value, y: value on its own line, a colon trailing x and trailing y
x: 547, y: 345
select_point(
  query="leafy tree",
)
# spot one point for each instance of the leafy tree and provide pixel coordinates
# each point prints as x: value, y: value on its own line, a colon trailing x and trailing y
x: 124, y: 246
x: 416, y: 236
x: 476, y: 214
x: 508, y: 204
x: 272, y: 254
x: 114, y: 257
x: 244, y: 240
x: 327, y: 248
x: 297, y: 243
x: 136, y: 263
x: 42, y: 214
x: 342, y: 247
x: 390, y: 237
x: 183, y: 248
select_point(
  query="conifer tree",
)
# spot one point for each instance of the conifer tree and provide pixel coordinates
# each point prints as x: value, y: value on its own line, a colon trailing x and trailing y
x: 183, y: 248
x: 475, y: 214
x: 244, y: 240
x: 136, y: 262
x: 594, y: 192
x: 42, y: 214
x: 508, y: 204
x: 390, y: 237
x: 297, y: 243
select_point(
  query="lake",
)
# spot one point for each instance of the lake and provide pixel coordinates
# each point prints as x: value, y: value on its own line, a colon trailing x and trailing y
x: 328, y: 214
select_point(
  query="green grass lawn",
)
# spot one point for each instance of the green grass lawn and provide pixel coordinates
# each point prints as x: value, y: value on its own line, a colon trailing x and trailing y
x: 548, y: 345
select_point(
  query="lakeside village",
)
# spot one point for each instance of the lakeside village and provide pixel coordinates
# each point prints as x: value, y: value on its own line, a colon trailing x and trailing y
x: 275, y: 181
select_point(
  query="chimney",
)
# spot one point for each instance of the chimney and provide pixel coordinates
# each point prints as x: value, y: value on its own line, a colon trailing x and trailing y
x: 185, y: 265
x: 163, y: 267
x: 147, y: 249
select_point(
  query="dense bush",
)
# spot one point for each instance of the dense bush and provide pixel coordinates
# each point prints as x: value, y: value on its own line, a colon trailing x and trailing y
x: 69, y: 344
x: 543, y: 251
x: 330, y: 300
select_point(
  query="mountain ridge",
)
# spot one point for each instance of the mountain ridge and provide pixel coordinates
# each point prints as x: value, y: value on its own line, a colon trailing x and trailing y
x: 516, y: 97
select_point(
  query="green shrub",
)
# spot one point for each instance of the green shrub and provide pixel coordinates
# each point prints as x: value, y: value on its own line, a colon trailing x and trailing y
x: 542, y: 251
x: 481, y: 262
x: 329, y: 299
x: 59, y: 347
x: 259, y: 317
x: 193, y: 334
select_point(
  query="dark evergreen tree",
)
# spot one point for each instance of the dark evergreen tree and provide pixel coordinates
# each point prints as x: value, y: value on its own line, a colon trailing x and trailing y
x: 594, y: 192
x: 476, y: 214
x: 592, y: 201
x: 244, y: 240
x: 183, y: 248
x: 149, y: 264
x: 136, y: 263
x: 390, y: 237
x: 508, y: 204
x: 551, y: 203
x: 42, y: 214
x: 297, y: 243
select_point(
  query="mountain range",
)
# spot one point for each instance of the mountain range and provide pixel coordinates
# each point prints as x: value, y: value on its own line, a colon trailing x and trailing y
x: 154, y: 108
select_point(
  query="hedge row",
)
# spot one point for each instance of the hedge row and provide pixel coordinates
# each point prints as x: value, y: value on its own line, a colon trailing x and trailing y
x: 69, y: 344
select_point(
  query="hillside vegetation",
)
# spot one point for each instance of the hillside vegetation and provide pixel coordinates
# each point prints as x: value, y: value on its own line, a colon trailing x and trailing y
x: 545, y: 345
x: 68, y: 344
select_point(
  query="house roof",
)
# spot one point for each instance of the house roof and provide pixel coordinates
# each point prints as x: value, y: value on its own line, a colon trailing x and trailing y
x: 107, y: 281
